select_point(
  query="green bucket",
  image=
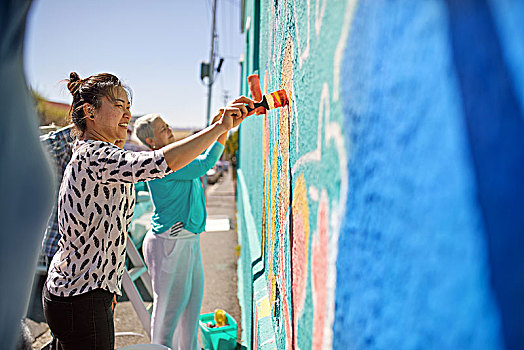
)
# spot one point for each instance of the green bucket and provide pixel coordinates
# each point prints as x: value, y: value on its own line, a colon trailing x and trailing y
x: 219, y: 338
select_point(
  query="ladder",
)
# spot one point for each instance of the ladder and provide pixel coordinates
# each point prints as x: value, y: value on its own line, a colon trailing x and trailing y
x: 138, y: 271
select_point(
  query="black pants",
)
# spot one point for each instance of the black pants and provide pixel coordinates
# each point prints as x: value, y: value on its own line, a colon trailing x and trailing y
x: 81, y: 322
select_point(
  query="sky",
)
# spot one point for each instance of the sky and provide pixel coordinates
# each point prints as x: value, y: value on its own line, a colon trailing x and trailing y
x: 154, y: 47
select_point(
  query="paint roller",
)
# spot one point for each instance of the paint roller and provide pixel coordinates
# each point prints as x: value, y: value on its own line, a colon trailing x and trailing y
x: 270, y: 101
x: 253, y: 83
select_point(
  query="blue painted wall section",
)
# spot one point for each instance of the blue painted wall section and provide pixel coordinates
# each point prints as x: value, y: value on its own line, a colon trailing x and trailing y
x: 384, y: 207
x: 496, y: 134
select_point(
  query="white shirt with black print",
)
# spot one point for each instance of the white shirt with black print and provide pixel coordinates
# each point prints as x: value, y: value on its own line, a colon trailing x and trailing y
x: 95, y: 206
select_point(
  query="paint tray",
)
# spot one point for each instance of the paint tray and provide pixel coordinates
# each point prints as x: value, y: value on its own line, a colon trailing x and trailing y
x: 220, y: 338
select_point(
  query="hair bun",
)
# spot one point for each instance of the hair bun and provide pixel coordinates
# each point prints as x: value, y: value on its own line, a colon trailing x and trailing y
x: 74, y: 82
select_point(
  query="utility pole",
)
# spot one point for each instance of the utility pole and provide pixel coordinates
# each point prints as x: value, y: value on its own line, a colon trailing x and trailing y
x: 211, y: 64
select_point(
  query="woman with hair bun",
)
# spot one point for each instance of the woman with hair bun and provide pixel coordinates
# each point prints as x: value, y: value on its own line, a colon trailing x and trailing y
x: 96, y: 203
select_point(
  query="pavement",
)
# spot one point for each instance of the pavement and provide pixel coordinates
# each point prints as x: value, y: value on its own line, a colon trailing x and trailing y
x: 220, y: 253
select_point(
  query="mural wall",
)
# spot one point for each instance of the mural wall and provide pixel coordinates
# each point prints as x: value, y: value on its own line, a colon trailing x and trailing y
x: 383, y: 207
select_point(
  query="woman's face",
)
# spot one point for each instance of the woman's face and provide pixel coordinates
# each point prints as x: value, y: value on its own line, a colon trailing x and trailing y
x: 111, y: 119
x: 163, y: 133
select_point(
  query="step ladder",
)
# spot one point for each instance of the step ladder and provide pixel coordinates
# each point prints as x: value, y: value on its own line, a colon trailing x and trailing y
x: 138, y: 271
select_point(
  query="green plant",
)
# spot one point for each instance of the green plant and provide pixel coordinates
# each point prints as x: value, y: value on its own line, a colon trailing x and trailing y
x: 231, y: 147
x: 47, y: 112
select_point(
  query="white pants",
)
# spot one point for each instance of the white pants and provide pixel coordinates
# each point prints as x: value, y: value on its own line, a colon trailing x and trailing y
x: 175, y: 265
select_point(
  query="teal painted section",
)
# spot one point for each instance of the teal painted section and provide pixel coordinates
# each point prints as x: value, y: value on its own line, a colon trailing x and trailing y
x: 385, y: 201
x: 293, y: 164
x: 250, y: 251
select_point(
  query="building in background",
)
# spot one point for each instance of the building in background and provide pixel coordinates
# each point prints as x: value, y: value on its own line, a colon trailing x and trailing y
x: 51, y: 115
x: 384, y: 207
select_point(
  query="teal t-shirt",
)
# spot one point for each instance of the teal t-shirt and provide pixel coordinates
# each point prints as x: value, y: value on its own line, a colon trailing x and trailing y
x: 179, y: 196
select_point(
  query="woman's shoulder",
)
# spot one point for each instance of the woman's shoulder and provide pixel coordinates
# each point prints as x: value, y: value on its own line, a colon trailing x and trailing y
x: 92, y: 147
x: 168, y: 184
x: 93, y: 144
x: 83, y: 145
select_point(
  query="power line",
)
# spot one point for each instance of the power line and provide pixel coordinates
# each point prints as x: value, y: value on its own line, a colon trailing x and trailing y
x: 211, y: 64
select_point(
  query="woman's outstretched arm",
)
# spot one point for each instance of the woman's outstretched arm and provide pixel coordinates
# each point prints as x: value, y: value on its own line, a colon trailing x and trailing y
x: 181, y: 153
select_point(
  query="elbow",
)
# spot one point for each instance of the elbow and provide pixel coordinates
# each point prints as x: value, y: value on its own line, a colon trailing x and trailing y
x: 174, y: 166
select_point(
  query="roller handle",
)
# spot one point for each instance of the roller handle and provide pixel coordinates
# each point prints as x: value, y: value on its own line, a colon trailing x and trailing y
x: 262, y: 103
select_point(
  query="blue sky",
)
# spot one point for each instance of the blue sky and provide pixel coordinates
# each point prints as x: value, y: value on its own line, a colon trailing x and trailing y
x: 155, y: 47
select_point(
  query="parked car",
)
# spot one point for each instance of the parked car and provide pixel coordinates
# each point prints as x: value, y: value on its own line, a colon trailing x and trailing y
x: 219, y: 167
x: 213, y: 175
x: 223, y: 164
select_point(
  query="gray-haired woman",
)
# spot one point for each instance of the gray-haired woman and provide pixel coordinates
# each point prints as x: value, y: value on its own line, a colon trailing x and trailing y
x: 172, y: 247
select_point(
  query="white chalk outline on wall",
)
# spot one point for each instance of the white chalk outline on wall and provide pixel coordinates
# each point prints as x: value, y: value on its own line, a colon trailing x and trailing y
x: 332, y: 131
x: 329, y: 131
x: 313, y: 193
x: 294, y: 116
x: 319, y: 16
x: 302, y: 56
x: 341, y: 46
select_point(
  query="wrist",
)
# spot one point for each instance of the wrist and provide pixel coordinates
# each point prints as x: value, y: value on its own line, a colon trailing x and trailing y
x: 221, y: 128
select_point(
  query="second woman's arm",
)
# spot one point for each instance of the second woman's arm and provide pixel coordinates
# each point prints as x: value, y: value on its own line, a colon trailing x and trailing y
x: 181, y: 153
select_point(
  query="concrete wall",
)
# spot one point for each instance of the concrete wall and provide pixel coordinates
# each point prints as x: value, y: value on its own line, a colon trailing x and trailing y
x: 383, y: 208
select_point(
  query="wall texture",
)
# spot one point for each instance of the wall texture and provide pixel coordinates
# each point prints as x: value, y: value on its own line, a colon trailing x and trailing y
x: 384, y: 207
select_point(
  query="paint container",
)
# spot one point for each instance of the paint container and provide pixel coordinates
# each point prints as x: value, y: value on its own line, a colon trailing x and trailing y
x: 218, y: 338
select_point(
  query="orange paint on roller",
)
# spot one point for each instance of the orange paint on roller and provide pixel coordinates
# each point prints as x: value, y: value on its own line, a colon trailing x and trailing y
x: 253, y: 83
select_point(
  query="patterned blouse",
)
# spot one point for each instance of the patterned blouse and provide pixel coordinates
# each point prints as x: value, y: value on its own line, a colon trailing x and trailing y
x: 96, y: 202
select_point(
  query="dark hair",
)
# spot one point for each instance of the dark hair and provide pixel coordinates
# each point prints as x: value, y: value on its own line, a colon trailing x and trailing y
x: 91, y: 90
